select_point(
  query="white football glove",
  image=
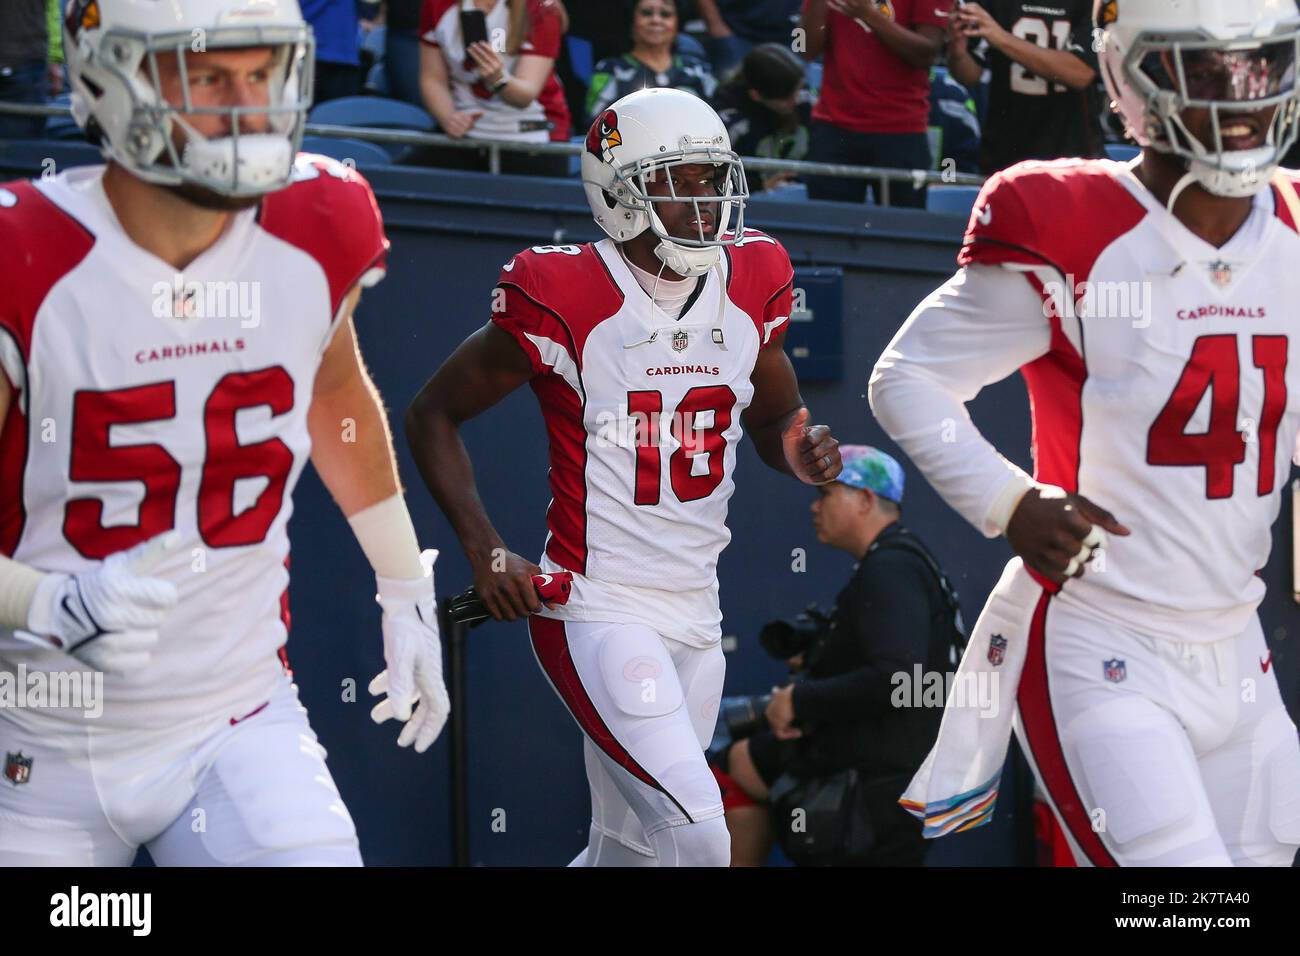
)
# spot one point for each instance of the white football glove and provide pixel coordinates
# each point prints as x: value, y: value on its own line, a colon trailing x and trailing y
x: 108, y: 615
x: 1096, y: 539
x: 413, y: 654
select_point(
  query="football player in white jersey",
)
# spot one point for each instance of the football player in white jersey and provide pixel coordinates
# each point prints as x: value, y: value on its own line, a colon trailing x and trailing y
x: 646, y: 350
x: 1151, y: 308
x: 176, y: 342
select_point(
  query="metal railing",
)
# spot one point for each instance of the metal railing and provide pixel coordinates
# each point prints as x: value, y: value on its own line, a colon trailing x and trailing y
x: 885, y: 177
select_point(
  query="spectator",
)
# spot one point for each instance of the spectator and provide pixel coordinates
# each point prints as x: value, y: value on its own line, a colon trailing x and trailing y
x: 372, y: 45
x: 402, y: 50
x: 954, y: 124
x: 736, y: 26
x: 24, y: 65
x: 338, y: 50
x: 897, y: 615
x: 1043, y: 101
x: 768, y: 110
x: 874, y: 106
x: 54, y: 27
x: 480, y: 93
x: 604, y: 24
x: 651, y: 61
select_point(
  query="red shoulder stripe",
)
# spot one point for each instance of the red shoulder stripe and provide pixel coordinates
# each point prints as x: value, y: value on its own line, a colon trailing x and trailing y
x: 332, y: 217
x: 1282, y: 206
x: 39, y: 244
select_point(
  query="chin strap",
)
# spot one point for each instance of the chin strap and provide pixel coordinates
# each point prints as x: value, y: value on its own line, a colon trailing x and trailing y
x: 262, y: 163
x: 687, y: 263
x: 654, y: 289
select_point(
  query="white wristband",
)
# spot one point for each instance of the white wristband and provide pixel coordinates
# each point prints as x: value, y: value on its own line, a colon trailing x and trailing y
x: 1007, y: 500
x: 18, y: 584
x: 387, y: 537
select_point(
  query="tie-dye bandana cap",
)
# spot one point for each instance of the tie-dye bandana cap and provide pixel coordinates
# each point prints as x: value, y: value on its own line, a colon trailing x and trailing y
x: 867, y: 467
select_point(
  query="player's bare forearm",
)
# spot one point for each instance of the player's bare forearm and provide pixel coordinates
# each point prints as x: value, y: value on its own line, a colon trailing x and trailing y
x: 484, y: 369
x: 352, y: 447
x: 448, y: 473
x: 776, y: 401
x: 768, y: 444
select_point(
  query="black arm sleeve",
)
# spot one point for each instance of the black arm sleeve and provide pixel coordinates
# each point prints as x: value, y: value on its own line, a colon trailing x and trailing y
x: 887, y: 612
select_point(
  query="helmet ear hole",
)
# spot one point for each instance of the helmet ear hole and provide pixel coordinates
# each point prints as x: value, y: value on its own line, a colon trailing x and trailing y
x: 94, y: 132
x: 610, y: 201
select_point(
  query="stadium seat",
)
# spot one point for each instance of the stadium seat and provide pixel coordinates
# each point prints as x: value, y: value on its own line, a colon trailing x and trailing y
x: 63, y: 129
x: 375, y: 111
x: 33, y: 154
x: 357, y: 150
x: 1121, y: 152
x: 372, y: 111
x: 951, y: 200
x: 575, y: 161
x: 790, y: 192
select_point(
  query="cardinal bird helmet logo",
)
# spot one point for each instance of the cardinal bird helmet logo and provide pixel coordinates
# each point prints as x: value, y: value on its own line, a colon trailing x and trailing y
x: 604, y: 136
x: 82, y: 15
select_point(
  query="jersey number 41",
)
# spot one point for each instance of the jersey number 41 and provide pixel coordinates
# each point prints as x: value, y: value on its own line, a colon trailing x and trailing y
x: 1215, y: 368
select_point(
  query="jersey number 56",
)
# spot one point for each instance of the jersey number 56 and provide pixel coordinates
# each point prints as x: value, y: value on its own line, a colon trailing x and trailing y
x: 225, y: 462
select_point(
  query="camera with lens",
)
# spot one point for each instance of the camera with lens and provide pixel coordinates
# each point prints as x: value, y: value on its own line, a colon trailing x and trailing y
x: 787, y: 638
x: 744, y: 716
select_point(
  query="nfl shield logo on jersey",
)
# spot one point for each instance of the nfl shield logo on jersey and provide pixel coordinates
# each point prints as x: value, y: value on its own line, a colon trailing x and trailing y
x: 1115, y: 670
x: 1221, y: 272
x: 18, y: 769
x: 680, y: 341
x: 997, y: 649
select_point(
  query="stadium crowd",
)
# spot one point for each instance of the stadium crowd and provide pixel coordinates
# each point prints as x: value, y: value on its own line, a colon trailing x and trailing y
x: 941, y: 85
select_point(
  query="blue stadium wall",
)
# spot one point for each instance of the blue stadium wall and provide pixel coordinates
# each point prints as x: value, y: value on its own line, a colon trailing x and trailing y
x: 528, y: 802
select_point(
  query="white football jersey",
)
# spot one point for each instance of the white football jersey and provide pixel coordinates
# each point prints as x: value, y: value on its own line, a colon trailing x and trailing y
x: 643, y: 415
x: 148, y: 400
x: 1160, y: 379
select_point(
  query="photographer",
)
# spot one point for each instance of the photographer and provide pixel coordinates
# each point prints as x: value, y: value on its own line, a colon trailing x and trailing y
x: 838, y: 748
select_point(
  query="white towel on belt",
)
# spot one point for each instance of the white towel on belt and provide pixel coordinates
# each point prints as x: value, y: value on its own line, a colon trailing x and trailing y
x: 957, y: 786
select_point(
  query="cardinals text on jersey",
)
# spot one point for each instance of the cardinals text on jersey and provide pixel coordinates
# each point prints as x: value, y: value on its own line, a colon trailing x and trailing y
x: 129, y: 419
x: 643, y: 415
x: 1169, y: 394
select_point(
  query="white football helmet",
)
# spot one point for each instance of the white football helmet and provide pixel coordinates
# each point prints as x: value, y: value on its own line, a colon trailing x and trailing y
x: 1161, y: 57
x: 112, y: 48
x: 642, y: 136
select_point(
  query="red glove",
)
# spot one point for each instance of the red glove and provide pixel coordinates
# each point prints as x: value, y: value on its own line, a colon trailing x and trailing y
x: 554, y: 588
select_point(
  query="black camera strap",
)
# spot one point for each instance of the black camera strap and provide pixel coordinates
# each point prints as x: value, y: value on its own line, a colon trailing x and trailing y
x: 906, y: 541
